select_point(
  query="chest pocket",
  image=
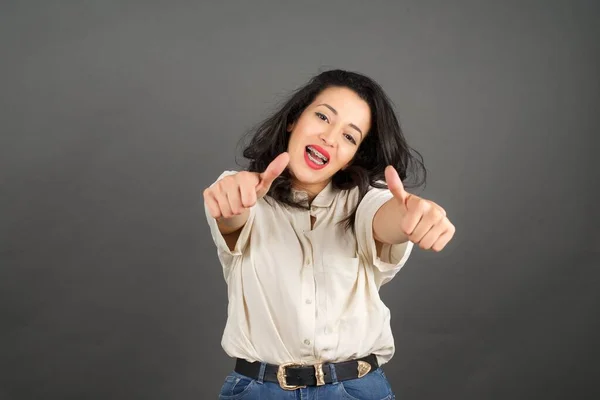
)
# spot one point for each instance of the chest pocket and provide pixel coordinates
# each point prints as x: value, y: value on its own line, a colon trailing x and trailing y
x: 342, y: 267
x: 342, y: 277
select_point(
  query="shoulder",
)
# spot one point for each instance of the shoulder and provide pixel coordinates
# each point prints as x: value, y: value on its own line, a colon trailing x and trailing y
x: 373, y: 200
x: 352, y: 195
x: 227, y: 173
x: 223, y: 175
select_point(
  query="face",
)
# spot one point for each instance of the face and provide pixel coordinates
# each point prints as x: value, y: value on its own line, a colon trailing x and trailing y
x: 326, y: 137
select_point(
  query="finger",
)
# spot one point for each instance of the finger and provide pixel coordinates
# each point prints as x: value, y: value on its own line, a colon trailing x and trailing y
x: 275, y: 168
x: 395, y: 184
x: 413, y: 216
x: 248, y: 195
x: 431, y: 217
x: 433, y: 235
x: 223, y: 205
x: 212, y: 204
x: 444, y: 239
x: 235, y: 200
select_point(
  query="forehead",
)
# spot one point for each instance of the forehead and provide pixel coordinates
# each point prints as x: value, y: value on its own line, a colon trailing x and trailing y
x: 349, y: 106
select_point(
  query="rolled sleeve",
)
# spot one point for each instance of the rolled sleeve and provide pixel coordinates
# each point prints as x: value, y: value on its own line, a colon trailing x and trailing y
x: 225, y: 254
x: 392, y: 256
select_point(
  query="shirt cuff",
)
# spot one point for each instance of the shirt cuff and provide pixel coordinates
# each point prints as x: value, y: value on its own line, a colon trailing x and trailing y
x: 393, y: 256
x: 218, y: 238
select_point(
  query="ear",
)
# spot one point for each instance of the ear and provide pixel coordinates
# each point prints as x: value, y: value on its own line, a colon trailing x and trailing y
x: 290, y: 126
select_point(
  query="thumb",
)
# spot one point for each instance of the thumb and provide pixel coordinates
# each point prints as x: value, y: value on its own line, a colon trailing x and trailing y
x: 275, y: 168
x: 395, y: 184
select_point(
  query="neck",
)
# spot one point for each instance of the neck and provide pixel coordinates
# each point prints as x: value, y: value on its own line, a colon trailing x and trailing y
x: 312, y: 189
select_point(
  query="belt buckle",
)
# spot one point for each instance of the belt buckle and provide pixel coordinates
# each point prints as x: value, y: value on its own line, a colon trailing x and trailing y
x: 281, y: 377
x: 319, y: 374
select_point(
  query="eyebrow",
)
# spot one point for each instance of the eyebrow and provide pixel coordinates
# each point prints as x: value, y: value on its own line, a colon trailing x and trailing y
x: 333, y: 110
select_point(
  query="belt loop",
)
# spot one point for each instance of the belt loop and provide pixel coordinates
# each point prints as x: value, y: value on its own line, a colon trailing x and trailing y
x: 261, y: 373
x: 334, y: 379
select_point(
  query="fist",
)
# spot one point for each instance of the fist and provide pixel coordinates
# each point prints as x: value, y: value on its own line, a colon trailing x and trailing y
x: 233, y: 194
x: 423, y: 221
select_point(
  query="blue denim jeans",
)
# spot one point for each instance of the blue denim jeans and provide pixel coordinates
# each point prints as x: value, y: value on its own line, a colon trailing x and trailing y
x: 373, y: 386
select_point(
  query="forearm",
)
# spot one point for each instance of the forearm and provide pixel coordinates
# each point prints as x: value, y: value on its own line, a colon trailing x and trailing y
x: 386, y: 226
x: 235, y: 223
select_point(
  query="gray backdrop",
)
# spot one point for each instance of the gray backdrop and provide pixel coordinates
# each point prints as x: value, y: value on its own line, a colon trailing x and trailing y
x: 114, y: 116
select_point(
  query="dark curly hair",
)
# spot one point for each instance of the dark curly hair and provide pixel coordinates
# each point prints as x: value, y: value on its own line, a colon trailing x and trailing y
x: 383, y: 145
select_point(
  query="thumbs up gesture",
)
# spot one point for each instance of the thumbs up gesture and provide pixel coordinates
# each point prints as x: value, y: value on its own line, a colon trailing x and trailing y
x: 423, y: 221
x: 234, y: 194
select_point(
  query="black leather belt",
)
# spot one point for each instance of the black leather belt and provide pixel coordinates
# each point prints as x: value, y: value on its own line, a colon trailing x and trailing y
x: 293, y: 376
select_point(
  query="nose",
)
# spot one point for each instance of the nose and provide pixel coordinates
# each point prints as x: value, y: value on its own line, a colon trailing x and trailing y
x: 327, y: 138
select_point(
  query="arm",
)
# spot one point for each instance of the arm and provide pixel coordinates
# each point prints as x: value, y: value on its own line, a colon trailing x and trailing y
x: 229, y: 199
x: 233, y: 224
x: 407, y: 217
x: 386, y: 259
x: 231, y: 228
x: 386, y: 229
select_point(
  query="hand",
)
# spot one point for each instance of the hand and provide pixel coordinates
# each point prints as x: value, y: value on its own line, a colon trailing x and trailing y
x: 233, y: 194
x: 423, y: 221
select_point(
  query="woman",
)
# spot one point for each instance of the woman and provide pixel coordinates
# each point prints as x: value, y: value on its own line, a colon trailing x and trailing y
x: 307, y: 236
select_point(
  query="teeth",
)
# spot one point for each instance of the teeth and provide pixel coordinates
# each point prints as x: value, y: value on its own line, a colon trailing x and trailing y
x: 315, y: 160
x: 316, y: 153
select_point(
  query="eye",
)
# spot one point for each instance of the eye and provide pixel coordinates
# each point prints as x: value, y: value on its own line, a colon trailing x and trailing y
x: 350, y: 138
x: 322, y: 116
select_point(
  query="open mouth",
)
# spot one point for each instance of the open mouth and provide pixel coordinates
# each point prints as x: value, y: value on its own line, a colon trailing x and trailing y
x: 316, y: 156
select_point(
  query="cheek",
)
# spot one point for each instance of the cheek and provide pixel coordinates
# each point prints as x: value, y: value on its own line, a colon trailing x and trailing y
x: 345, y: 154
x: 303, y: 132
x: 295, y: 140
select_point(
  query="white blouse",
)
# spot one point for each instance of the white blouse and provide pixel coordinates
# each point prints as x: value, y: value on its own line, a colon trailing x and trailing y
x: 306, y: 295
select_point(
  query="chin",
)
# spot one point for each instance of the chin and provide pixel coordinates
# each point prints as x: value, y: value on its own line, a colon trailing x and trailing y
x: 307, y: 176
x: 304, y: 174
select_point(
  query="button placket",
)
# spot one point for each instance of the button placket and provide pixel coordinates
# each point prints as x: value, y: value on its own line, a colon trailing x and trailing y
x: 306, y: 302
